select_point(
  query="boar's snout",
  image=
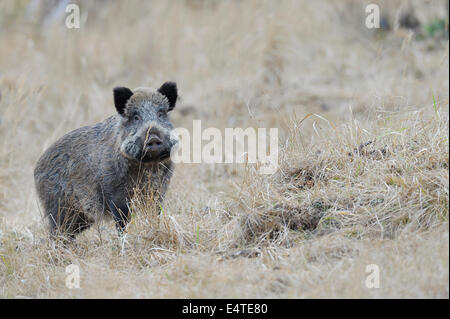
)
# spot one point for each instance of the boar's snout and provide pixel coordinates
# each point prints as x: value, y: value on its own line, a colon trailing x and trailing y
x: 157, y: 146
x: 154, y: 143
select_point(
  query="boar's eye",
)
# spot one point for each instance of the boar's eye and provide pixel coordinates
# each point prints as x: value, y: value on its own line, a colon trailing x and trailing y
x: 160, y: 114
x: 136, y: 117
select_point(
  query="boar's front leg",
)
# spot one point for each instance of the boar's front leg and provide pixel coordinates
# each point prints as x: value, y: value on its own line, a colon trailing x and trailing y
x: 120, y: 213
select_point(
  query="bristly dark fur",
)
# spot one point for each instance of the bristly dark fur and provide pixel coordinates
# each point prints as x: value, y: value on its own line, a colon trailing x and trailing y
x: 169, y: 90
x: 94, y: 171
x: 121, y: 96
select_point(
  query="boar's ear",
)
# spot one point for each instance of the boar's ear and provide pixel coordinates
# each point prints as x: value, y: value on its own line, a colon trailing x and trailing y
x: 169, y: 90
x: 121, y: 96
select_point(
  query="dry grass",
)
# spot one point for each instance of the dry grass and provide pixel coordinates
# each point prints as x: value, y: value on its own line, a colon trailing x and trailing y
x: 363, y: 179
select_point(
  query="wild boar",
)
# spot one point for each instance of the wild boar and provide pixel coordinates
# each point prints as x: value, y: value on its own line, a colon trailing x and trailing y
x: 95, y: 170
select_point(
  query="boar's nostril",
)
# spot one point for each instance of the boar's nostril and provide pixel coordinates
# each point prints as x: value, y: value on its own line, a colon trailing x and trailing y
x: 154, y: 141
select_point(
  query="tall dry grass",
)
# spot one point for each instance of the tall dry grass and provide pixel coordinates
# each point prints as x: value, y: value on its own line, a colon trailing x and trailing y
x: 363, y: 126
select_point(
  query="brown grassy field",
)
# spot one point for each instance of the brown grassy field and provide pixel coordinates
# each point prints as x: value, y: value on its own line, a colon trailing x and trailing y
x: 310, y: 68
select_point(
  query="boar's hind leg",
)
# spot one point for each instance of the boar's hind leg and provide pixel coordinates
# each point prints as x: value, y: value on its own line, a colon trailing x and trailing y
x: 78, y: 223
x: 68, y: 222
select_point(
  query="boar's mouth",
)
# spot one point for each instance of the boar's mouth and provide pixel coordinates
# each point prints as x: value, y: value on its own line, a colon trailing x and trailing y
x: 148, y: 158
x: 164, y: 155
